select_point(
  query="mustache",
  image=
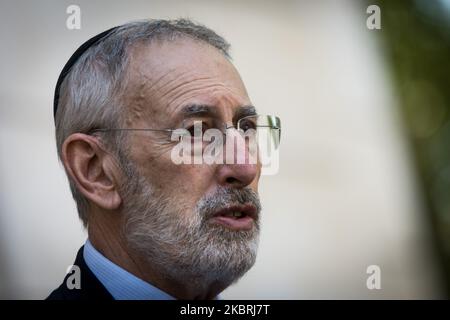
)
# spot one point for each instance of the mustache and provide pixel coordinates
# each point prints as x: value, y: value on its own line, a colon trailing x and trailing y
x: 224, y: 197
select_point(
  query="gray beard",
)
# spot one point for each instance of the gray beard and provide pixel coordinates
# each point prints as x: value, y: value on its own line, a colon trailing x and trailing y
x: 183, y: 245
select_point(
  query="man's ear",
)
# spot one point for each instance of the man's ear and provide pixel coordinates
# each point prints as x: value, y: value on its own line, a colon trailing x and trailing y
x: 92, y: 169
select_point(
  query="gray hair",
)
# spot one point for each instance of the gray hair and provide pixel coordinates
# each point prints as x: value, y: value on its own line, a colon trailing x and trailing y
x: 90, y: 95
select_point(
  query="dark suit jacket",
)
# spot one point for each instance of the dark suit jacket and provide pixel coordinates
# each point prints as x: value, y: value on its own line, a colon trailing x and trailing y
x: 91, y: 287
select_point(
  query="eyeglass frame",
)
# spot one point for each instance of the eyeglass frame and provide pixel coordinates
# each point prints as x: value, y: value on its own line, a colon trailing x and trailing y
x: 226, y: 127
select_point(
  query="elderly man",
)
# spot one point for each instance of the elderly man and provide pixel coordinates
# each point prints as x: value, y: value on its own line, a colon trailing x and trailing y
x: 157, y: 229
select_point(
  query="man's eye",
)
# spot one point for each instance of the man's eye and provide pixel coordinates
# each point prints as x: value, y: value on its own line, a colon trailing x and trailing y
x: 199, y: 125
x: 190, y: 130
x: 247, y: 124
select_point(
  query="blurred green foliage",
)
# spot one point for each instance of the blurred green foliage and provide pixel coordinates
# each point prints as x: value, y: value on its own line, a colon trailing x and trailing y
x: 416, y: 35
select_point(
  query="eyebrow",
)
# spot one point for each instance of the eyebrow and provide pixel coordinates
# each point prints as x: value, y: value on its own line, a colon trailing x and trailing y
x: 244, y: 111
x: 193, y: 110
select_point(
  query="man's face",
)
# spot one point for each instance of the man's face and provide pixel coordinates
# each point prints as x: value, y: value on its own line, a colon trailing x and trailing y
x: 181, y: 216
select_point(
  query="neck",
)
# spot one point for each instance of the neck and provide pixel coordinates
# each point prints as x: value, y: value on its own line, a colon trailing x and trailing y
x: 106, y: 235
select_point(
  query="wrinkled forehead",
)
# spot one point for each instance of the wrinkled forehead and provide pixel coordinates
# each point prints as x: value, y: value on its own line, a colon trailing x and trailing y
x: 166, y: 76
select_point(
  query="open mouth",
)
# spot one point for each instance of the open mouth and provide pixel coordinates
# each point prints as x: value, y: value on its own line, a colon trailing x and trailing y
x: 236, y: 217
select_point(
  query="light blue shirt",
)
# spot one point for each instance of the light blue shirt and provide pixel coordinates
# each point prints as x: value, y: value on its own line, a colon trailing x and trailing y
x: 121, y: 284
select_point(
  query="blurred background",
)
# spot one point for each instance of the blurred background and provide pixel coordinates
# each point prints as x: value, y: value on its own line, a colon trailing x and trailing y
x: 364, y: 173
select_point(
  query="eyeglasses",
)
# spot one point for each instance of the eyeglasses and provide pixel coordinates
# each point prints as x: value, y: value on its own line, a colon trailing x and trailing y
x: 267, y: 128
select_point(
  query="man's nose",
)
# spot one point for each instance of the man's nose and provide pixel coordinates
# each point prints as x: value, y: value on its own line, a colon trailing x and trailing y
x: 238, y: 170
x: 237, y: 175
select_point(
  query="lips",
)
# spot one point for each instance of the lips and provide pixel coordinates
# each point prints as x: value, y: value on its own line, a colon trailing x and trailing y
x: 236, y: 217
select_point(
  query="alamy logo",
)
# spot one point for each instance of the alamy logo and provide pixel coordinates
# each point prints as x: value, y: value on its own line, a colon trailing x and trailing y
x: 74, y: 279
x: 73, y: 21
x: 374, y: 280
x: 374, y: 20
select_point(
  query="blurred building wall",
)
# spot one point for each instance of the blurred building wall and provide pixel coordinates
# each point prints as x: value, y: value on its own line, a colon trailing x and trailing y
x: 345, y: 197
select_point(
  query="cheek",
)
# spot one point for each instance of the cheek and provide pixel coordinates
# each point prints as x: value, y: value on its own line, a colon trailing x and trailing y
x: 191, y: 180
x: 185, y: 184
